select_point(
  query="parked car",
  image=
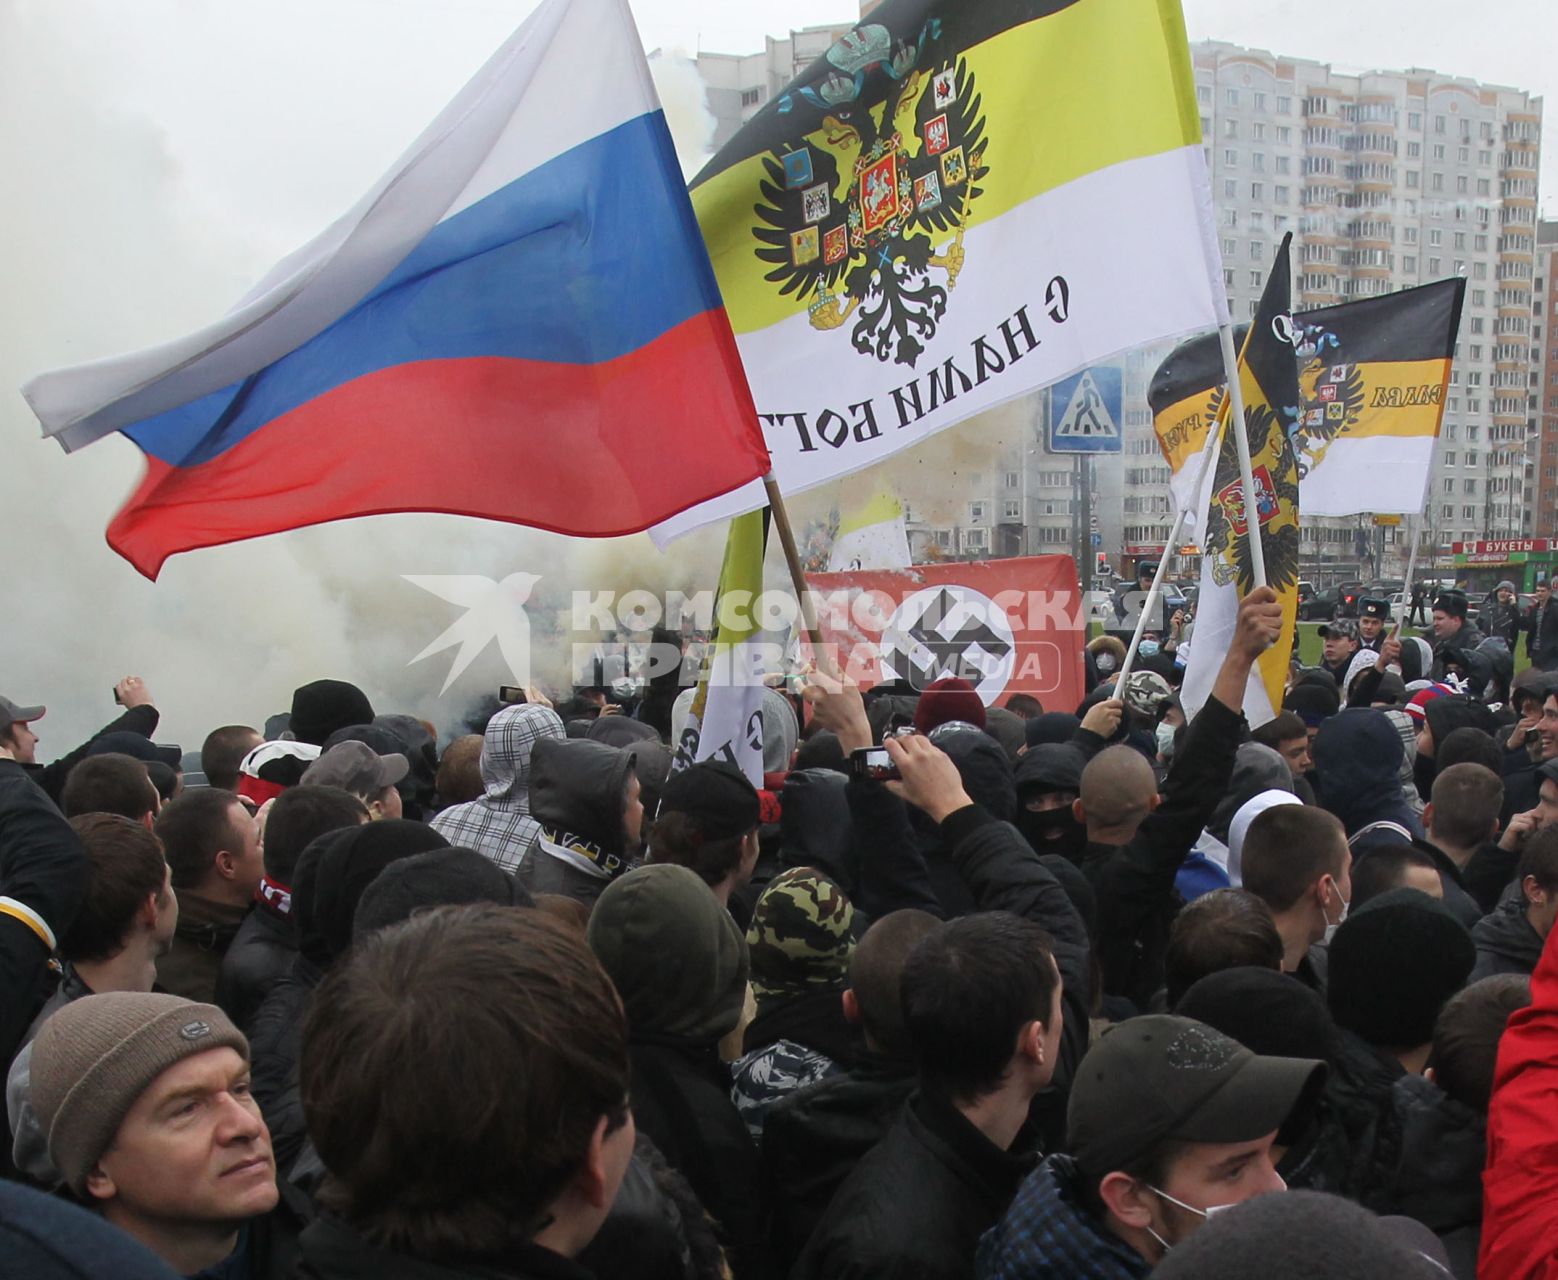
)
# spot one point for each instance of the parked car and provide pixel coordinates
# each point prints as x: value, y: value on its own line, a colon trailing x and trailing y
x: 1320, y: 607
x: 1348, y: 596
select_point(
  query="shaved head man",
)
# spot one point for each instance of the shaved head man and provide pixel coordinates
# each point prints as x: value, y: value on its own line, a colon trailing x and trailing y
x: 1118, y: 791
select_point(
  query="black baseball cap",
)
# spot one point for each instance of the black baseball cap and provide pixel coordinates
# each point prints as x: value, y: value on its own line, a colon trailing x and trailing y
x: 716, y: 796
x: 1159, y: 1078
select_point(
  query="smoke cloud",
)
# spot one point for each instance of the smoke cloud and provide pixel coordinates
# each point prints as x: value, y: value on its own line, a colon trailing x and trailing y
x: 118, y: 241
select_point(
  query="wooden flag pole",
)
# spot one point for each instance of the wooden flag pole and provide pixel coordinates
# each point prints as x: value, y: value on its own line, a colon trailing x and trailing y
x: 792, y: 557
x: 1208, y: 458
x: 1241, y: 438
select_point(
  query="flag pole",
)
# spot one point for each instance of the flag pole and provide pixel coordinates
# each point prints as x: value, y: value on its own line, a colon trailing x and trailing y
x: 792, y: 558
x: 1406, y: 587
x: 1208, y: 459
x: 1241, y: 438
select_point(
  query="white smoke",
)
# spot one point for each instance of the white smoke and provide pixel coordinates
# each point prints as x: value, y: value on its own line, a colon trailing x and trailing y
x: 686, y: 106
x: 113, y: 241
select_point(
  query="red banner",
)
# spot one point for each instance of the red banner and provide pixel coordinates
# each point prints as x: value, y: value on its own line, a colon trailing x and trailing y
x: 1006, y: 626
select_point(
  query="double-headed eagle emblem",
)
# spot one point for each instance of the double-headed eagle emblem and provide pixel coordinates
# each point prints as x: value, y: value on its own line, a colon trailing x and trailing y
x: 852, y: 215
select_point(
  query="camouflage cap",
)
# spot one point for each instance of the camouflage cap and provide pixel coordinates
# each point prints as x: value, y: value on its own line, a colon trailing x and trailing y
x: 802, y: 935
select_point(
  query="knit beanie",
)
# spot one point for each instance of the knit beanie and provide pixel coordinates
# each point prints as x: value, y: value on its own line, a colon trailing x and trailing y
x: 96, y: 1055
x: 1312, y: 702
x: 1269, y: 1013
x: 323, y: 706
x: 949, y: 698
x: 1393, y: 964
x: 438, y: 878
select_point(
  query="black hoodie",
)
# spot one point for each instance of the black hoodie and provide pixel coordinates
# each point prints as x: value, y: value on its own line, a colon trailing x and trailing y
x: 576, y: 794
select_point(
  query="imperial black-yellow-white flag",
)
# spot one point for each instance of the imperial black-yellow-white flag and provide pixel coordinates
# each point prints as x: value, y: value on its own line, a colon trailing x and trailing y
x: 1371, y: 385
x: 959, y: 203
x: 1269, y: 384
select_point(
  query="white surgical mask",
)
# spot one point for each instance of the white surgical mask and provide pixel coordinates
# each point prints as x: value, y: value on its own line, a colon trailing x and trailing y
x: 1147, y: 648
x: 1330, y: 929
x: 1208, y: 1213
x: 1165, y: 736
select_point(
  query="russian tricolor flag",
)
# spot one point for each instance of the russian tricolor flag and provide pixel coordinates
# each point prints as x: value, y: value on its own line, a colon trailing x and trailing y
x: 518, y: 322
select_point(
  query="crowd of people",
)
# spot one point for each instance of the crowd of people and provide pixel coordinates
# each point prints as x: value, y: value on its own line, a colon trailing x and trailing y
x: 1099, y: 991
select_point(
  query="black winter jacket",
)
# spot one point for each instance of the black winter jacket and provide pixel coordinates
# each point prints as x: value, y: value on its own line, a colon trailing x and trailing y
x: 813, y: 1138
x: 576, y: 794
x: 1134, y: 882
x: 1433, y: 1171
x: 275, y: 1038
x: 51, y: 777
x: 917, y: 1204
x: 331, y: 1250
x: 259, y: 956
x: 681, y: 1100
x: 1505, y: 941
x: 43, y: 874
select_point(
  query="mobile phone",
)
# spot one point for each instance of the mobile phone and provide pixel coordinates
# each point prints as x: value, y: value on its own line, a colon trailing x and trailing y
x: 118, y: 701
x: 872, y: 762
x: 508, y: 694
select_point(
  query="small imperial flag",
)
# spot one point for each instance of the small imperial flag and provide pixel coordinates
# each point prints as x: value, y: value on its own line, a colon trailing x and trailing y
x: 1268, y: 382
x: 1372, y: 376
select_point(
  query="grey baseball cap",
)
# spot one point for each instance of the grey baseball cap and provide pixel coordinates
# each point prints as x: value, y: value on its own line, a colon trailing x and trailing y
x: 11, y: 713
x: 356, y: 767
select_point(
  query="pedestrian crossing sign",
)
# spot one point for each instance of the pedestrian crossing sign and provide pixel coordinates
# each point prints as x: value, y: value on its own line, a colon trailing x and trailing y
x: 1085, y: 413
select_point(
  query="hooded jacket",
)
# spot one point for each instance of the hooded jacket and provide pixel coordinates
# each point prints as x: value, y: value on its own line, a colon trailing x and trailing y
x: 1505, y: 941
x: 1520, y: 1183
x: 1358, y: 757
x: 814, y: 825
x: 192, y: 965
x: 577, y: 789
x: 1257, y: 769
x: 1043, y: 770
x: 987, y: 777
x: 1498, y: 619
x: 680, y: 965
x: 497, y: 824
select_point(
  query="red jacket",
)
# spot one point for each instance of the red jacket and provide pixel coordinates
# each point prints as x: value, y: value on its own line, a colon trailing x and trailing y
x: 1520, y: 1184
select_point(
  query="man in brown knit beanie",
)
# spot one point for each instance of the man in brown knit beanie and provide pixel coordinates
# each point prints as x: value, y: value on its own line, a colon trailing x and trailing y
x: 145, y: 1101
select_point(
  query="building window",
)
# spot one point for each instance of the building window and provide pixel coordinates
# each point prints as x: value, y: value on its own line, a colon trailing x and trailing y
x: 976, y: 512
x: 1257, y: 250
x: 1230, y: 188
x: 1012, y: 479
x: 1414, y: 150
x: 1203, y: 93
x: 1231, y: 96
x: 751, y: 97
x: 1409, y: 263
x: 1231, y: 158
x: 1255, y: 280
x: 1284, y: 106
x: 1412, y: 179
x: 1449, y: 458
x: 1012, y: 509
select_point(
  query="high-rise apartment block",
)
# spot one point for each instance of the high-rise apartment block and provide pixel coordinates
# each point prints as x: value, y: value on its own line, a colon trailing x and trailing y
x: 1387, y: 180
